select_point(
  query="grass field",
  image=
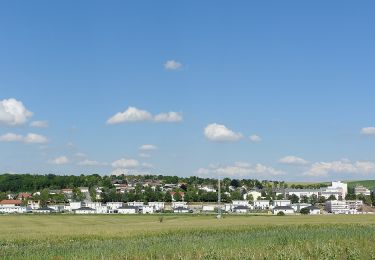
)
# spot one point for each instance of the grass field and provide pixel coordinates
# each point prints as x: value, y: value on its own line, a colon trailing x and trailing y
x: 187, y: 237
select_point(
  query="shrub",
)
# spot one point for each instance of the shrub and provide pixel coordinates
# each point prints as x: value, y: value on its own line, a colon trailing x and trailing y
x: 281, y: 213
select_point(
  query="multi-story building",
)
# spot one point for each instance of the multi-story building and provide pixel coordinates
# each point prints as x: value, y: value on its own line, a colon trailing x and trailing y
x: 281, y: 203
x: 301, y: 192
x: 360, y: 190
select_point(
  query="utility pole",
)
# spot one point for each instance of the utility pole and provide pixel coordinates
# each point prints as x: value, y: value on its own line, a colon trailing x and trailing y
x: 218, y: 199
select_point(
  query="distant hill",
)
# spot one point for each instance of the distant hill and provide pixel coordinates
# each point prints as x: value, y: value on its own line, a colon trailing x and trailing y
x: 370, y: 184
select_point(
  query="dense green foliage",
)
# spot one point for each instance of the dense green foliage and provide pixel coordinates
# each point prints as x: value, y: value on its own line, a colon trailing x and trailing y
x: 187, y: 237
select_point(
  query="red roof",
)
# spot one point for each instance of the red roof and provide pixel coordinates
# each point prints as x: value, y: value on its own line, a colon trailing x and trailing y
x: 16, y: 202
x: 24, y: 195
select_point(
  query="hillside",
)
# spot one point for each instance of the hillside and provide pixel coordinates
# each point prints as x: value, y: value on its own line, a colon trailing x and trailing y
x: 370, y: 184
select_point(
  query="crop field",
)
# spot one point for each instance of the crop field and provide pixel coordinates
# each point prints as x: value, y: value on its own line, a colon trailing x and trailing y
x: 187, y: 237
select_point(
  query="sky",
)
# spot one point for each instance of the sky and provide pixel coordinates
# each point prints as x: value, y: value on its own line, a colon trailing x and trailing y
x: 278, y: 90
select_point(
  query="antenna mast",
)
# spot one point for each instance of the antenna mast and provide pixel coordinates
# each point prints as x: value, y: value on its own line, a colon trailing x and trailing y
x: 219, y: 199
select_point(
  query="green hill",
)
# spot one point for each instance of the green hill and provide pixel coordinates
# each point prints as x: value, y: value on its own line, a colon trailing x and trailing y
x: 370, y: 184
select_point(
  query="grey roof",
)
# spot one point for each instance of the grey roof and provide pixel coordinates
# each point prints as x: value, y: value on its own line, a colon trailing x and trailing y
x: 85, y: 208
x: 283, y: 207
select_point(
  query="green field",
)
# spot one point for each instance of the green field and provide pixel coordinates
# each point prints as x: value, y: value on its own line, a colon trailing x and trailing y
x: 187, y: 237
x: 370, y: 184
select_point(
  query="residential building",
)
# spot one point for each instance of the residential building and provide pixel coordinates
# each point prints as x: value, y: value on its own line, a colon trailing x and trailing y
x: 24, y: 196
x: 57, y: 208
x: 75, y: 205
x: 208, y: 208
x: 114, y: 205
x: 181, y: 210
x: 298, y: 206
x: 255, y: 194
x: 177, y: 204
x: 285, y: 209
x: 338, y: 207
x: 314, y: 210
x: 261, y: 204
x: 128, y: 210
x: 360, y: 190
x: 12, y: 206
x: 354, y: 204
x: 301, y: 192
x: 147, y: 209
x: 43, y: 210
x: 158, y: 206
x: 240, y: 209
x: 136, y: 204
x: 84, y: 211
x: 33, y: 204
x: 281, y: 203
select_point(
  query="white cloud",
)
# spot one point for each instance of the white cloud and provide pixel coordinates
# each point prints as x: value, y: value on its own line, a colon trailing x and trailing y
x: 368, y: 131
x: 322, y: 169
x: 39, y: 124
x: 35, y: 138
x: 255, y: 138
x: 133, y: 114
x: 91, y: 163
x: 240, y: 170
x: 29, y: 138
x: 172, y: 65
x: 170, y: 117
x: 220, y: 133
x: 125, y: 163
x: 82, y: 155
x: 13, y: 112
x: 293, y: 160
x: 60, y: 160
x: 148, y: 147
x: 11, y: 137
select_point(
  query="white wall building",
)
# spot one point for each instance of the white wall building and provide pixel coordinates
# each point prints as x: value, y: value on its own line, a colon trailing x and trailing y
x: 255, y: 194
x: 281, y: 203
x: 178, y: 204
x: 147, y: 209
x: 158, y: 206
x: 298, y: 206
x: 75, y: 205
x: 136, y: 204
x: 285, y: 209
x: 360, y: 190
x: 128, y: 210
x: 261, y: 204
x: 339, y: 207
x: 84, y: 211
x: 114, y: 205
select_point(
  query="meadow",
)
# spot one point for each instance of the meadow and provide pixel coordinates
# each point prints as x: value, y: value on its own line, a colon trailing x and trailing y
x: 187, y: 237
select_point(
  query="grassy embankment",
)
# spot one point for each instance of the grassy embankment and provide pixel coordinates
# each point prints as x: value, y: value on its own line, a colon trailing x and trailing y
x: 187, y: 237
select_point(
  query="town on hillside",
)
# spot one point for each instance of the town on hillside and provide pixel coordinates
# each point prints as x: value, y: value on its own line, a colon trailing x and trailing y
x: 47, y: 194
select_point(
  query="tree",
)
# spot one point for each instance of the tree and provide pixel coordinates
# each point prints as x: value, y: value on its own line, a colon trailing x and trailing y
x: 250, y: 197
x: 304, y: 199
x: 168, y: 197
x: 313, y: 199
x: 280, y: 197
x: 281, y: 213
x: 235, y: 183
x: 44, y: 197
x: 332, y: 197
x: 305, y: 211
x: 294, y: 198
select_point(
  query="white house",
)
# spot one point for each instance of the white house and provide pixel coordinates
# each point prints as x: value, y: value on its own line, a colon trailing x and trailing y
x: 84, y: 211
x: 298, y: 206
x: 255, y: 194
x: 57, y: 208
x: 281, y: 203
x: 158, y: 206
x: 128, y: 210
x: 181, y: 210
x: 147, y: 209
x: 360, y: 190
x: 339, y: 207
x: 75, y: 205
x: 240, y: 203
x: 43, y: 210
x: 178, y: 204
x: 33, y: 204
x: 114, y: 205
x: 136, y: 204
x: 285, y: 209
x: 261, y: 204
x: 240, y: 209
x: 12, y: 206
x: 314, y: 210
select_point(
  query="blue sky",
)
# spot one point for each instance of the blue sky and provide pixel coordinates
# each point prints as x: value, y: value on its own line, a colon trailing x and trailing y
x: 296, y: 76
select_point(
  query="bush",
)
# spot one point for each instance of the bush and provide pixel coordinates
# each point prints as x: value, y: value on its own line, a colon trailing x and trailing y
x: 305, y: 211
x: 281, y: 213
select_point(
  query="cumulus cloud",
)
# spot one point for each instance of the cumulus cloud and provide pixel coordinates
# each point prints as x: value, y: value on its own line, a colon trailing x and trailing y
x: 293, y: 160
x: 172, y: 65
x: 59, y: 160
x: 240, y: 170
x: 148, y: 147
x: 39, y: 124
x: 322, y: 169
x: 133, y: 114
x: 29, y: 138
x: 255, y: 138
x: 368, y: 131
x: 125, y: 163
x: 168, y: 117
x: 13, y: 112
x: 220, y: 133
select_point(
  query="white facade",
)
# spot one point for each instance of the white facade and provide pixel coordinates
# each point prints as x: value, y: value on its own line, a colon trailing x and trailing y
x: 298, y: 206
x: 114, y: 205
x: 339, y: 207
x: 255, y: 195
x: 128, y: 210
x: 84, y: 211
x: 354, y: 204
x: 158, y: 206
x: 281, y: 203
x: 10, y: 209
x: 147, y: 210
x: 136, y: 204
x: 177, y: 204
x: 240, y: 203
x: 207, y: 208
x: 301, y: 192
x: 75, y: 205
x: 57, y: 208
x: 360, y: 190
x: 286, y: 209
x: 261, y: 204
